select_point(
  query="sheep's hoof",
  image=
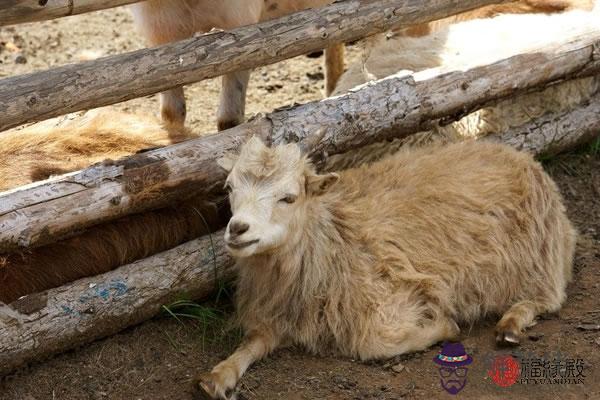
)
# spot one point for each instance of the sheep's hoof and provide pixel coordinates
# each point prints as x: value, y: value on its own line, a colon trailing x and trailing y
x: 228, y: 124
x: 507, y: 338
x: 208, y: 390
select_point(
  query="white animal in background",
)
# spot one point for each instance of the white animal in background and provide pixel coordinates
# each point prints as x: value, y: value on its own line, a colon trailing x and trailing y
x: 465, y: 45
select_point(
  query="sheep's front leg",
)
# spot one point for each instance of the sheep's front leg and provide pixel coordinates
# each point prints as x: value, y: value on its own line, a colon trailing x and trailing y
x: 221, y: 381
x: 172, y: 106
x: 233, y: 100
x: 334, y: 67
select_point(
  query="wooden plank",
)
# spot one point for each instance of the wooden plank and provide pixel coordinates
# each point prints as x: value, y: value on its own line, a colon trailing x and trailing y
x: 43, y: 324
x: 392, y: 107
x: 20, y: 11
x: 109, y: 80
x: 551, y: 134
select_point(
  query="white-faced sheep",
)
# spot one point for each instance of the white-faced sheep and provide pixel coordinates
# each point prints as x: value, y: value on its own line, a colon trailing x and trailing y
x: 163, y: 21
x: 389, y: 258
x: 465, y: 45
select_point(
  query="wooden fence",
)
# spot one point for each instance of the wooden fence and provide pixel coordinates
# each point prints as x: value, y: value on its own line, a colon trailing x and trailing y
x: 400, y: 105
x: 109, y: 80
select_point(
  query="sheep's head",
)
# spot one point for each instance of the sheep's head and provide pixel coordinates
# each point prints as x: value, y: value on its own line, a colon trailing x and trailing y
x: 268, y: 190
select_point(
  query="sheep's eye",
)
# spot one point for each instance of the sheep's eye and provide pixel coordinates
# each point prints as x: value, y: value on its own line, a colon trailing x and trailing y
x: 228, y: 188
x: 289, y: 199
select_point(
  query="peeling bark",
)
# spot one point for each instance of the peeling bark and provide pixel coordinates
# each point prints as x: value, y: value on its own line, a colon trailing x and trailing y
x: 554, y: 133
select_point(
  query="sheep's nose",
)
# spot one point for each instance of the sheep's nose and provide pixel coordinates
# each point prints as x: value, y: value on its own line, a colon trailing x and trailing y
x: 237, y: 228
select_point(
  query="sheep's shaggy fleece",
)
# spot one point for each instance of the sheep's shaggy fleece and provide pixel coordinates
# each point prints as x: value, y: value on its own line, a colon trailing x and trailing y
x: 468, y: 44
x: 75, y: 141
x: 384, y: 263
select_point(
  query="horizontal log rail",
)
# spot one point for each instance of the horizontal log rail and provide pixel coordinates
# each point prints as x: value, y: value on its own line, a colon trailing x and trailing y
x: 551, y: 134
x: 41, y: 95
x: 42, y: 324
x: 396, y: 106
x: 20, y: 11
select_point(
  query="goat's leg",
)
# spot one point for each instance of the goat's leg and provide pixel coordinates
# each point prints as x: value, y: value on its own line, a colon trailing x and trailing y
x: 334, y: 66
x: 221, y: 381
x: 233, y: 100
x: 172, y: 106
x: 520, y: 316
x: 407, y: 337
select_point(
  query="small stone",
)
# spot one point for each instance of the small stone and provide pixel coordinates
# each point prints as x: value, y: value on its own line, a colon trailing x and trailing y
x: 398, y: 368
x: 534, y: 337
x: 588, y: 327
x: 343, y: 383
x: 20, y: 59
x: 315, y: 76
x: 597, y: 341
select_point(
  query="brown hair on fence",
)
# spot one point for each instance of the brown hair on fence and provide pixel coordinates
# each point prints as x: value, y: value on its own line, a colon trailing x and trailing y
x: 105, y: 247
x: 69, y: 143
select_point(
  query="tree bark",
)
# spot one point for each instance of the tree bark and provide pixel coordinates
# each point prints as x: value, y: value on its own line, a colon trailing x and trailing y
x: 19, y: 11
x: 47, y: 323
x: 555, y: 133
x: 37, y: 96
x: 392, y: 107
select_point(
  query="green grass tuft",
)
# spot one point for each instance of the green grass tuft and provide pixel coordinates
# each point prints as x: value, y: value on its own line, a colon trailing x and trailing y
x: 594, y: 147
x: 210, y: 322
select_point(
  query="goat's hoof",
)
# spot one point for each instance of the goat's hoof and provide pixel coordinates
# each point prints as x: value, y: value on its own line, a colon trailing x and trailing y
x: 227, y: 124
x: 508, y: 338
x: 209, y: 388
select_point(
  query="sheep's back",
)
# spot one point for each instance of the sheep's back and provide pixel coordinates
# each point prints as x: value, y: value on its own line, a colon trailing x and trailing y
x: 483, y: 220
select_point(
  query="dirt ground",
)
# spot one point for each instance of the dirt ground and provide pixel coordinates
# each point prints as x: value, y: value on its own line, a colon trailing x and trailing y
x: 158, y: 359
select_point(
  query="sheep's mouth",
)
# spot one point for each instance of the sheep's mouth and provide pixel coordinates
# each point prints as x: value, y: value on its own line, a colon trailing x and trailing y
x: 238, y: 246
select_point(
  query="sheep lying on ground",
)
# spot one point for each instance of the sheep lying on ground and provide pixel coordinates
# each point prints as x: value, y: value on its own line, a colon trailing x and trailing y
x: 466, y: 45
x: 66, y: 144
x: 163, y: 21
x: 75, y: 141
x: 374, y: 263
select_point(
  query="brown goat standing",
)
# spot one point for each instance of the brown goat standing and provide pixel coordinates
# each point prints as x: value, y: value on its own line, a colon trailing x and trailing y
x: 394, y: 256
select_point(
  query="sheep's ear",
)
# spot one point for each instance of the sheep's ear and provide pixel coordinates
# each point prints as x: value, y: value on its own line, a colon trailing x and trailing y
x: 227, y: 161
x: 318, y: 184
